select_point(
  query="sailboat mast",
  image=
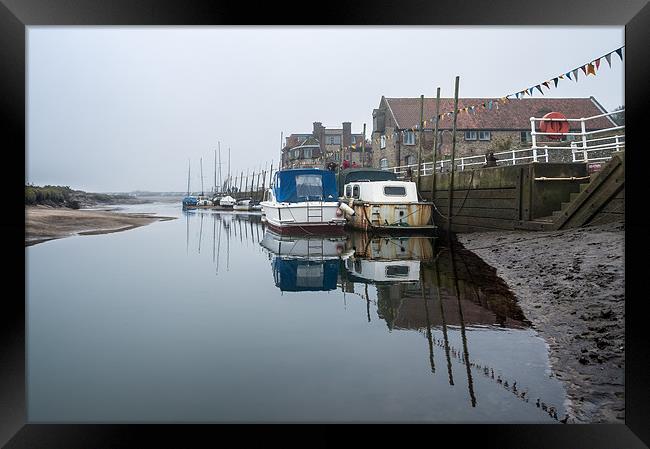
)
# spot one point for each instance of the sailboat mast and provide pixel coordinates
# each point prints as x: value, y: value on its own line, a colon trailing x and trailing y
x: 214, y: 188
x: 220, y: 180
x: 202, y: 193
x: 188, y: 177
x: 229, y: 183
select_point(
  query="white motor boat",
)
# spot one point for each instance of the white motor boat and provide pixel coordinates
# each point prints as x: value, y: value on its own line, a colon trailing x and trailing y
x: 303, y: 200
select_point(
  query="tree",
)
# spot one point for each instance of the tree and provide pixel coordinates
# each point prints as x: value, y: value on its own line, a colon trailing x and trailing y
x: 619, y: 118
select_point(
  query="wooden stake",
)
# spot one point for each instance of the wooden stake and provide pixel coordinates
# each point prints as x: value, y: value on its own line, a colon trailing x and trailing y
x: 435, y: 147
x: 453, y: 156
x: 420, y: 138
x: 363, y: 147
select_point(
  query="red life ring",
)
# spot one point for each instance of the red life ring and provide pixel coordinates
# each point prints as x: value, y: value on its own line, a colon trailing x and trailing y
x: 554, y: 126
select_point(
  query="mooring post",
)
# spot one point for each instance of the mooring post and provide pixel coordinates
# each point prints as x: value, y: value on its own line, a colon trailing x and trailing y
x: 363, y: 147
x: 420, y: 139
x: 435, y: 148
x: 453, y: 156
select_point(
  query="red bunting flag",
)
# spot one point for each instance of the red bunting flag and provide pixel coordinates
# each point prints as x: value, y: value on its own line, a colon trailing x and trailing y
x: 597, y: 63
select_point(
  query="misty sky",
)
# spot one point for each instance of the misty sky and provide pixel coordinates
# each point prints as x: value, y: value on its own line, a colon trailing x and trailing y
x: 115, y: 109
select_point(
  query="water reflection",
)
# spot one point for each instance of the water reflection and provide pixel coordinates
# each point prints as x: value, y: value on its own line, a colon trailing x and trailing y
x: 420, y: 285
x: 212, y: 318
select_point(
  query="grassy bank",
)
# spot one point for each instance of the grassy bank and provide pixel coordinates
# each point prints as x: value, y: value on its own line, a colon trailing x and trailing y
x: 64, y: 196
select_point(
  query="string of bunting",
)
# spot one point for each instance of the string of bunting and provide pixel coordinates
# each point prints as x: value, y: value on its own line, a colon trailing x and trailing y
x: 587, y: 69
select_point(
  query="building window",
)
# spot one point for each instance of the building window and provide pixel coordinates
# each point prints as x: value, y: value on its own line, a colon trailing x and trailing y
x: 354, y: 139
x: 383, y: 163
x: 409, y: 160
x: 334, y: 140
x: 306, y: 153
x: 382, y: 142
x: 470, y: 135
x: 484, y: 135
x: 409, y: 138
x: 525, y: 136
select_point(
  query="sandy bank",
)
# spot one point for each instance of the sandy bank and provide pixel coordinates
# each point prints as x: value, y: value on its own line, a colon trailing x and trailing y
x: 570, y: 285
x: 44, y: 223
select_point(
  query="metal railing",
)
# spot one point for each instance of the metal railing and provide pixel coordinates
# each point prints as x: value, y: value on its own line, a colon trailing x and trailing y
x: 583, y: 147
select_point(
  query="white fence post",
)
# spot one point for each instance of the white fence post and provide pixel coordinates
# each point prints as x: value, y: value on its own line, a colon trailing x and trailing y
x: 617, y: 143
x: 584, y: 138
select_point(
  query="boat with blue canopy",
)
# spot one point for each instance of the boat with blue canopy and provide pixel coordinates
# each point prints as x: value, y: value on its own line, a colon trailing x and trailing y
x: 303, y: 200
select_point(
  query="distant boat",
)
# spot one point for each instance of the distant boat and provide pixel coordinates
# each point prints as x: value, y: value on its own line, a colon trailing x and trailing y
x: 227, y: 202
x: 244, y: 204
x: 189, y: 202
x: 303, y: 200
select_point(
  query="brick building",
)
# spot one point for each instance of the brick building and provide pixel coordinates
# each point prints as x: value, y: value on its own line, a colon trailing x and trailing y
x: 505, y: 126
x: 324, y: 145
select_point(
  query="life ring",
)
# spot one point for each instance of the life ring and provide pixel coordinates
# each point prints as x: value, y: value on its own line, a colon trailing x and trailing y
x: 558, y: 125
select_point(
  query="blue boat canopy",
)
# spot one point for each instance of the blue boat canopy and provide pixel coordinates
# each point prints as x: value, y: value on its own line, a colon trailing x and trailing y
x: 305, y: 184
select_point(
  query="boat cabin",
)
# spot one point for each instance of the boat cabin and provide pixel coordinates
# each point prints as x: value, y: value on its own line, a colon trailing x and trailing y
x: 362, y: 174
x: 396, y: 192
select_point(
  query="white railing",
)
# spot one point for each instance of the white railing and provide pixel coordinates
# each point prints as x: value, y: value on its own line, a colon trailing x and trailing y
x: 584, y: 148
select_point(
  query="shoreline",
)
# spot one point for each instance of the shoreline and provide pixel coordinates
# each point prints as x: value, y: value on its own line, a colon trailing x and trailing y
x: 570, y: 284
x: 43, y: 223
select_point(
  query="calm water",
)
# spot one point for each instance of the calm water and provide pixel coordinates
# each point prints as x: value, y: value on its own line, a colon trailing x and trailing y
x: 212, y: 318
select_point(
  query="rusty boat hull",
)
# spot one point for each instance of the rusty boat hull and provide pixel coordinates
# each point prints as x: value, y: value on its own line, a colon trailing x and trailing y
x: 391, y: 217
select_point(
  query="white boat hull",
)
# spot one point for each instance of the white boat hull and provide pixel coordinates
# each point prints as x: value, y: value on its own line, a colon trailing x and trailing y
x: 309, y: 216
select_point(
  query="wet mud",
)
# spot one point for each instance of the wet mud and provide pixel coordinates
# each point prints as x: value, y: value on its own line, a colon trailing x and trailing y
x: 570, y: 285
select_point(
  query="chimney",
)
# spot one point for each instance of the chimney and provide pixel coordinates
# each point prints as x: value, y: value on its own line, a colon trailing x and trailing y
x: 319, y: 133
x: 347, y: 134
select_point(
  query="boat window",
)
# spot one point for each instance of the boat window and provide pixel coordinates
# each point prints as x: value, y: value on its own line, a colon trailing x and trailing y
x: 397, y: 271
x: 309, y: 186
x: 395, y: 190
x: 355, y: 191
x: 348, y: 191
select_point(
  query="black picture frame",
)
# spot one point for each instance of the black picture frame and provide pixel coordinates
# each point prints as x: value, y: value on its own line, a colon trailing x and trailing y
x: 16, y: 15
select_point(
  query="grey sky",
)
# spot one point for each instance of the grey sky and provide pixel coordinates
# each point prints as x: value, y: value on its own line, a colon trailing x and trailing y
x: 124, y: 108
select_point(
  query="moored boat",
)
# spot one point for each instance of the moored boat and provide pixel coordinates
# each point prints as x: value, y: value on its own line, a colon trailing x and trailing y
x: 303, y: 200
x: 381, y: 202
x: 227, y: 202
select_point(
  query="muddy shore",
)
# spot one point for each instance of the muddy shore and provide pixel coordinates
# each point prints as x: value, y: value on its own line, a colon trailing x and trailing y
x: 43, y: 223
x: 571, y: 286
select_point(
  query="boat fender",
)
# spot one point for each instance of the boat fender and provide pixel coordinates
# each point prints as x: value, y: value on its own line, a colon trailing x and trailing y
x: 346, y: 209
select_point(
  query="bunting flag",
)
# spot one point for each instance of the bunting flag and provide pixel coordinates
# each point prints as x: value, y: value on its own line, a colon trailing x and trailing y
x: 590, y: 69
x: 575, y: 75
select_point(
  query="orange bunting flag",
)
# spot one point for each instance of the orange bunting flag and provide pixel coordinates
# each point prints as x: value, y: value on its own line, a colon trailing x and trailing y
x: 590, y: 69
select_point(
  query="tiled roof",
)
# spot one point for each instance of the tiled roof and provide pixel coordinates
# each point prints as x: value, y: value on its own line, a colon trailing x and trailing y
x: 514, y: 114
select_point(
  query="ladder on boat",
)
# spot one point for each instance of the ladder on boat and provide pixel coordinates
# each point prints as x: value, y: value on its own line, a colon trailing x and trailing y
x: 315, y: 212
x: 314, y: 248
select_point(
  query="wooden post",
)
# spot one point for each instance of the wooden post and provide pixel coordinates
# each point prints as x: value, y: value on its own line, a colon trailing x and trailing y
x: 420, y: 138
x: 435, y: 147
x: 363, y: 147
x: 453, y: 157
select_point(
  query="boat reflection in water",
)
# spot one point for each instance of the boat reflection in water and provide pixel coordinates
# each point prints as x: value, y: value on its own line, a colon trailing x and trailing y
x: 304, y: 263
x: 444, y: 293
